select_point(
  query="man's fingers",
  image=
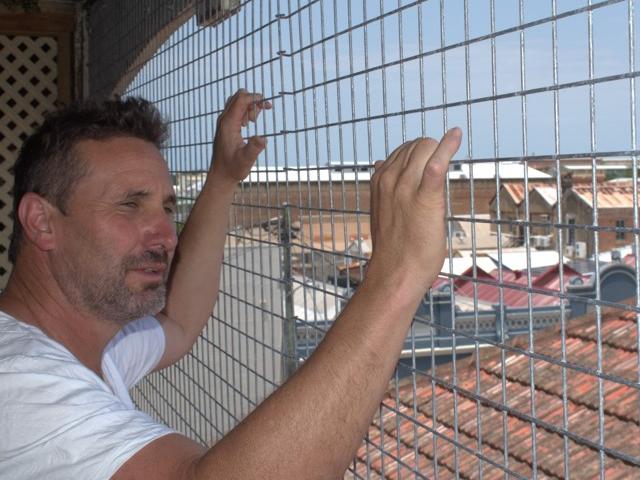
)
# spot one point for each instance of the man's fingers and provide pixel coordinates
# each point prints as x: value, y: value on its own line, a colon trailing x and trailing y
x: 228, y: 103
x: 392, y: 167
x: 420, y: 155
x: 254, y: 146
x: 255, y: 109
x: 438, y: 163
x: 240, y: 91
x: 244, y: 106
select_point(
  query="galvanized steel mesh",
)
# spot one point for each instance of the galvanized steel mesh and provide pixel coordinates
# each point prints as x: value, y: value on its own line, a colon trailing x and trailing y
x: 523, y: 360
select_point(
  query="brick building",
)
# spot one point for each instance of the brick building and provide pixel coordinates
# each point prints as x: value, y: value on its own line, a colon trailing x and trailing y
x: 542, y: 204
x: 319, y: 191
x: 614, y: 201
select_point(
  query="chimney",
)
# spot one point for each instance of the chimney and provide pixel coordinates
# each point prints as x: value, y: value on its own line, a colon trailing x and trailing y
x: 566, y: 181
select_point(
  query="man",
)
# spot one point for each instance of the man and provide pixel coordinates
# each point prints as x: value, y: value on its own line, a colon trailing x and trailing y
x: 103, y: 293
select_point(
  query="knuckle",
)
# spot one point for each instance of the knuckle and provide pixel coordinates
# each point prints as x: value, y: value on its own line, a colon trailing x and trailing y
x: 435, y: 170
x: 386, y: 181
x: 430, y: 143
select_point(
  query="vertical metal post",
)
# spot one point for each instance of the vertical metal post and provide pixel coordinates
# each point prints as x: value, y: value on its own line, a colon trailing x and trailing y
x: 289, y: 349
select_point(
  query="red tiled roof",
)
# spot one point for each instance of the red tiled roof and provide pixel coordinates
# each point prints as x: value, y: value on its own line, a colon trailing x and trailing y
x: 429, y: 441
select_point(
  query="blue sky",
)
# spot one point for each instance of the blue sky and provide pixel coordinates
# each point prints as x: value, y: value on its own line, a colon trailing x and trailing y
x: 211, y: 74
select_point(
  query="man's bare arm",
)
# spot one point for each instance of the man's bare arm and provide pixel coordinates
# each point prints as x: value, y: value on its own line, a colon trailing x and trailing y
x: 312, y: 425
x: 195, y: 272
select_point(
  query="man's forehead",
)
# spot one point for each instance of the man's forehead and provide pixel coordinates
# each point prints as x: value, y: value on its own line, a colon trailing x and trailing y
x: 115, y: 148
x: 123, y: 163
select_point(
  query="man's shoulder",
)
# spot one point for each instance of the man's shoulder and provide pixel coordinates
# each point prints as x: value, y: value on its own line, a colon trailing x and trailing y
x: 53, y: 407
x: 26, y: 352
x: 18, y: 338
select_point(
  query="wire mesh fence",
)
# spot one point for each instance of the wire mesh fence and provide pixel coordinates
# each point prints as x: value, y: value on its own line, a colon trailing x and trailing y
x: 522, y: 360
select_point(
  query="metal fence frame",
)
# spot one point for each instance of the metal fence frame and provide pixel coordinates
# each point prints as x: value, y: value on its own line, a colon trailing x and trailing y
x: 339, y: 75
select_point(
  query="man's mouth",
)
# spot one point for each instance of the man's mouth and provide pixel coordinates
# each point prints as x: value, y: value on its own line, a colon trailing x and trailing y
x: 151, y: 267
x: 153, y: 272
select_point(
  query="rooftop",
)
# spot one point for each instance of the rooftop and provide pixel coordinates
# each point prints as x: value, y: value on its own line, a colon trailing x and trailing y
x: 545, y: 286
x: 487, y: 171
x: 480, y: 412
x: 609, y: 195
x: 349, y: 173
x: 517, y: 192
x: 548, y: 193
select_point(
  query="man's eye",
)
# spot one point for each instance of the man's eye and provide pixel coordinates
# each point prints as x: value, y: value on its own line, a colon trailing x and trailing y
x: 170, y: 210
x: 130, y: 204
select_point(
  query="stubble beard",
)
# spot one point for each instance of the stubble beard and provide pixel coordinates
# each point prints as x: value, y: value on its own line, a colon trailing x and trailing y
x: 106, y: 295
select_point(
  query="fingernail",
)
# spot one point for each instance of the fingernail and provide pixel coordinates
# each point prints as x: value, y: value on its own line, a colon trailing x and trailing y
x: 455, y: 131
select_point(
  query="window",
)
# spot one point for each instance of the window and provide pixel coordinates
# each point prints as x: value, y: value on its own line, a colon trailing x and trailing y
x: 571, y: 230
x: 546, y: 220
x: 620, y: 235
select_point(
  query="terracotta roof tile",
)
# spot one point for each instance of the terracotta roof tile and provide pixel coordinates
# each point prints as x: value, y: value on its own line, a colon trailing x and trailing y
x: 477, y: 407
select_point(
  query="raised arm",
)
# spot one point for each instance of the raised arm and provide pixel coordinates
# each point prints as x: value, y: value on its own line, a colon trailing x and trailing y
x: 195, y: 272
x: 312, y: 425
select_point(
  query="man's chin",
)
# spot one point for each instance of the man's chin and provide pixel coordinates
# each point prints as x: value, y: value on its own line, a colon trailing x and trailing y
x: 153, y: 300
x: 150, y: 299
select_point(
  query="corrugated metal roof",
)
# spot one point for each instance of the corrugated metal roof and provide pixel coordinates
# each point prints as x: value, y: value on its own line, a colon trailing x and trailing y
x: 609, y: 195
x: 427, y: 442
x: 487, y: 171
x: 463, y: 264
x: 548, y: 193
x: 349, y: 173
x: 515, y: 191
x: 514, y: 289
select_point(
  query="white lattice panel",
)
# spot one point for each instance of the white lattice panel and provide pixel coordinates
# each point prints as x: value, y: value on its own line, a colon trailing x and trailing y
x: 28, y: 89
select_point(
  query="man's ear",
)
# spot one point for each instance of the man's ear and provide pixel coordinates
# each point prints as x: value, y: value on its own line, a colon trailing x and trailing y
x: 35, y: 215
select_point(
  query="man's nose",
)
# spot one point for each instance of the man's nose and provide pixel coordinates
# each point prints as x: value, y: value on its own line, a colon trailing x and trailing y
x: 161, y: 232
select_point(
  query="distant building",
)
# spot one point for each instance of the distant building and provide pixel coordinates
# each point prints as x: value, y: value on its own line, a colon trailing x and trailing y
x: 542, y: 201
x: 614, y: 205
x: 471, y: 234
x: 582, y: 167
x: 483, y: 188
x: 312, y: 191
x: 614, y: 201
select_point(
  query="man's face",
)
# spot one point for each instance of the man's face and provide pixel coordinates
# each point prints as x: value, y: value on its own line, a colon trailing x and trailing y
x: 117, y: 239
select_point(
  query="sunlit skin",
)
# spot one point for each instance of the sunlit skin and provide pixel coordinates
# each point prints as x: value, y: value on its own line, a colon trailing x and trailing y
x: 118, y: 231
x: 104, y: 261
x: 114, y: 236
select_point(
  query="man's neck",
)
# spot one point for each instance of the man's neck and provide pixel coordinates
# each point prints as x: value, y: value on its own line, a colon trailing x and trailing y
x: 33, y: 297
